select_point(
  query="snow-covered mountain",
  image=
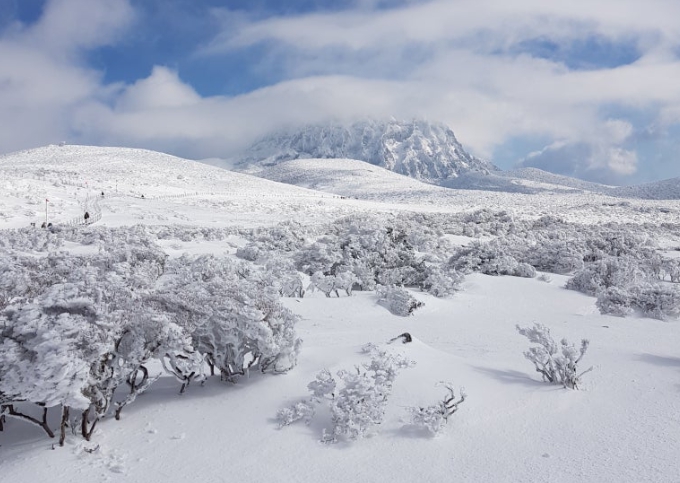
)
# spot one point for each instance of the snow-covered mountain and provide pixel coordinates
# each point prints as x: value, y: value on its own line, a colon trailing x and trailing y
x: 420, y: 149
x: 423, y: 150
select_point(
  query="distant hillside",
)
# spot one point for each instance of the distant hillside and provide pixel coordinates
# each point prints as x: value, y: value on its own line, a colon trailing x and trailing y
x: 349, y: 177
x: 61, y: 183
x: 540, y: 176
x: 668, y: 189
x: 419, y: 149
x: 132, y: 171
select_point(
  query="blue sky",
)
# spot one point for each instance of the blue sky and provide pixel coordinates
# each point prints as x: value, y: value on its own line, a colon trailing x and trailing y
x: 583, y: 88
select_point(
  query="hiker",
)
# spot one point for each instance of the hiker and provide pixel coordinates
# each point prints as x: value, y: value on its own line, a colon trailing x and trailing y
x: 87, y: 216
x: 102, y: 194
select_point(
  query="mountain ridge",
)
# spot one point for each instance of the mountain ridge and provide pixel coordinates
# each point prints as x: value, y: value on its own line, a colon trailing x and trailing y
x: 420, y: 149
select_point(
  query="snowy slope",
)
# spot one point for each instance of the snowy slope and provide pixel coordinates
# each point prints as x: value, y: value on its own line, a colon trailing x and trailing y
x: 420, y: 149
x: 348, y: 177
x: 73, y: 177
x: 187, y: 192
x: 539, y: 176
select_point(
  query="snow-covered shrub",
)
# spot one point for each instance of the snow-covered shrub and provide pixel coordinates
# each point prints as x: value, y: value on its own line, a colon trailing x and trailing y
x: 671, y: 267
x: 499, y: 265
x: 284, y: 277
x: 398, y: 300
x: 302, y: 410
x: 31, y: 240
x: 320, y: 256
x: 441, y: 282
x: 487, y: 221
x: 56, y: 352
x: 434, y: 417
x: 323, y: 283
x: 608, y: 272
x: 357, y: 399
x: 615, y: 301
x: 557, y: 364
x: 655, y: 300
x: 524, y: 270
x: 375, y: 250
x: 284, y: 237
x: 250, y: 252
x: 544, y: 277
x: 235, y: 321
x: 490, y: 258
x: 361, y: 401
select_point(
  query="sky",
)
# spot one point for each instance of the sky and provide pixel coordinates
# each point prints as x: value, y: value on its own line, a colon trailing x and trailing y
x: 583, y: 88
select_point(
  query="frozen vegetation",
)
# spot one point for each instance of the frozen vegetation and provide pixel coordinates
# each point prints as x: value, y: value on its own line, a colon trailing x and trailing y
x: 190, y: 321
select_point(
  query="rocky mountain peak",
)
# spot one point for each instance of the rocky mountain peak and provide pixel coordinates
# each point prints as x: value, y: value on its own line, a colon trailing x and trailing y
x: 417, y: 148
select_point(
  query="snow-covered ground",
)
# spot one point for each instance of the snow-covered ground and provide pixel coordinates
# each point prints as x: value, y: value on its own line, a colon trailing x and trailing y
x: 623, y: 425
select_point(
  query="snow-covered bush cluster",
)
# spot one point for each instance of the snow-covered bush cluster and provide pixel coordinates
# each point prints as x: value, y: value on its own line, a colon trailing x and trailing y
x: 357, y: 399
x: 616, y: 263
x: 77, y: 329
x: 333, y: 284
x: 625, y: 284
x: 489, y: 259
x: 361, y: 252
x: 650, y: 299
x: 557, y: 364
x: 364, y: 252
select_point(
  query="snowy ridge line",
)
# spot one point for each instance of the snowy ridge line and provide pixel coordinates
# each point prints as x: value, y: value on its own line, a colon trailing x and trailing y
x: 237, y: 195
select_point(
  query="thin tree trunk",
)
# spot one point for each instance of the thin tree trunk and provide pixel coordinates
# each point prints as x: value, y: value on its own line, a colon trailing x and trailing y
x: 64, y: 423
x: 83, y: 426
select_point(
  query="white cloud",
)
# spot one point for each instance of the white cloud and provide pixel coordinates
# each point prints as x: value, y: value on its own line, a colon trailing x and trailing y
x: 68, y: 25
x: 622, y: 161
x: 471, y: 75
x: 162, y: 89
x: 42, y: 79
x: 460, y: 62
x: 500, y: 21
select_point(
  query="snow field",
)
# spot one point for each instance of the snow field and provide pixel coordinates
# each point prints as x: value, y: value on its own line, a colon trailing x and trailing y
x: 512, y: 427
x: 622, y: 426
